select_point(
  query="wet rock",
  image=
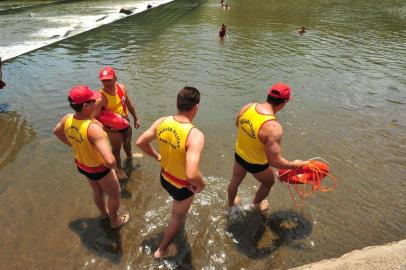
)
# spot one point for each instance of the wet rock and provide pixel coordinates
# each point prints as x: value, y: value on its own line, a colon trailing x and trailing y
x: 126, y: 11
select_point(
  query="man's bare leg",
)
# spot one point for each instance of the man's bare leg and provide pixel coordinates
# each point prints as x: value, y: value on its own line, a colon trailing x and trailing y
x: 179, y: 212
x: 116, y: 141
x: 98, y: 197
x: 238, y: 175
x: 111, y: 187
x: 266, y: 177
x: 127, y: 142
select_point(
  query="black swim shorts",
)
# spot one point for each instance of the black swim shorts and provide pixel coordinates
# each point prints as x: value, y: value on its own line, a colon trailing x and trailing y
x: 251, y: 168
x: 94, y: 176
x: 178, y: 194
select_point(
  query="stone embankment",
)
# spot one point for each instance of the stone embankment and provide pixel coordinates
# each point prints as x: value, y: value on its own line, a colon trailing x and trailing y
x: 391, y: 256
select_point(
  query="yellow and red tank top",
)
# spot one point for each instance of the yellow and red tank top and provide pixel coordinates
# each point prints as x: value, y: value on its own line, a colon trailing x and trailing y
x: 248, y: 145
x: 172, y: 136
x: 86, y: 155
x: 116, y: 102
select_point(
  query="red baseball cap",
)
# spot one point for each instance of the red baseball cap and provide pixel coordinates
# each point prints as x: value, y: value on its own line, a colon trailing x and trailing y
x: 81, y: 93
x: 107, y: 73
x: 279, y: 90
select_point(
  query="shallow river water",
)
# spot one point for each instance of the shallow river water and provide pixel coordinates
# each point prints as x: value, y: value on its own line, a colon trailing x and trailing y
x: 348, y: 76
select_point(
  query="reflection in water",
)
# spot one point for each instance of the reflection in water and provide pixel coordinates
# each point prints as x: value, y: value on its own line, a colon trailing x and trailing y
x: 14, y: 134
x: 183, y: 257
x: 247, y: 228
x: 97, y: 236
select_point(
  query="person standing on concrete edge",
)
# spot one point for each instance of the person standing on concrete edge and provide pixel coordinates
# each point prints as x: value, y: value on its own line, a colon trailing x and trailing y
x: 258, y: 145
x: 93, y: 156
x: 115, y: 98
x: 180, y: 147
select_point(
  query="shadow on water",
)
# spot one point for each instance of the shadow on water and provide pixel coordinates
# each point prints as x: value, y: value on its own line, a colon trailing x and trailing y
x: 97, y: 236
x: 14, y: 134
x: 181, y: 260
x: 247, y: 228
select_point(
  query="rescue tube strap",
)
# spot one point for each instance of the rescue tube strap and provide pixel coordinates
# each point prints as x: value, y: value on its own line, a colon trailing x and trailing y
x: 121, y: 95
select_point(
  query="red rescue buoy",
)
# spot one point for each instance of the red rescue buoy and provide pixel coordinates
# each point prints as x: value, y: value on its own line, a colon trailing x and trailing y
x: 313, y: 171
x: 113, y: 120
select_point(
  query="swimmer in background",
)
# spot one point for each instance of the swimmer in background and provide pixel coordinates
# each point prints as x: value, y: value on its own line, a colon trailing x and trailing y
x: 222, y: 32
x: 226, y: 7
x: 302, y: 30
x: 221, y: 3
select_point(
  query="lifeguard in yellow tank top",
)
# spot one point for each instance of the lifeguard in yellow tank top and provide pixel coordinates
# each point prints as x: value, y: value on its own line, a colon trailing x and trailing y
x: 116, y: 102
x: 172, y: 136
x: 248, y: 145
x: 86, y: 155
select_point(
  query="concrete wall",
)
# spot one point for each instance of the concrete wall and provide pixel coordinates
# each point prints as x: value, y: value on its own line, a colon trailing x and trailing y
x: 387, y: 257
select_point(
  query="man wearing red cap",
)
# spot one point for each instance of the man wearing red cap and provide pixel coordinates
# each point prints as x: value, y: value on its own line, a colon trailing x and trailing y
x: 114, y: 98
x: 93, y: 156
x: 258, y: 145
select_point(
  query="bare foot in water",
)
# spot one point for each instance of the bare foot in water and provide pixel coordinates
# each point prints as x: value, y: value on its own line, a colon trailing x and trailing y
x: 121, y: 175
x: 170, y: 251
x: 123, y: 219
x: 237, y: 201
x: 262, y: 206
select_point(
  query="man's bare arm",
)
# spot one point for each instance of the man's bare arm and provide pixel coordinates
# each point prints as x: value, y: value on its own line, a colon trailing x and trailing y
x: 131, y: 107
x: 59, y: 130
x: 144, y: 140
x: 272, y: 133
x: 98, y: 138
x: 194, y: 150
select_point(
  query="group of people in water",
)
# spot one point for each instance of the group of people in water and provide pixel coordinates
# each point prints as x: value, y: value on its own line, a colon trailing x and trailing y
x: 180, y: 144
x: 223, y: 29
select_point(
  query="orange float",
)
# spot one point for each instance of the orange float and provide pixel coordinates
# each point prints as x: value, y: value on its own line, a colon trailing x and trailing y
x: 312, y: 171
x: 306, y: 180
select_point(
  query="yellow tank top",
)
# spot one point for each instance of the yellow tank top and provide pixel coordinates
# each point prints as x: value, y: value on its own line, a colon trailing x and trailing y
x: 116, y: 102
x: 86, y: 155
x: 172, y: 136
x: 248, y: 145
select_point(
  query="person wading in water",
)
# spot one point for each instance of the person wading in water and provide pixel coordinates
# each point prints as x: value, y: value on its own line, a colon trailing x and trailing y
x: 93, y: 156
x: 258, y: 145
x: 114, y: 98
x: 180, y: 147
